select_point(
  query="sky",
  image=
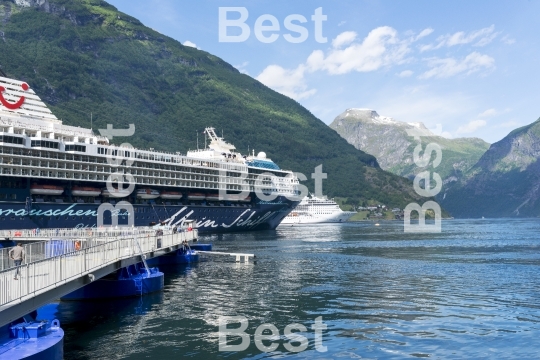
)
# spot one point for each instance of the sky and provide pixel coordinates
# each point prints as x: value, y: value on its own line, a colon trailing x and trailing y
x: 463, y: 68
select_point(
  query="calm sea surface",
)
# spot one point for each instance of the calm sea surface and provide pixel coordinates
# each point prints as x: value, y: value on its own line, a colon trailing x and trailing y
x: 472, y: 291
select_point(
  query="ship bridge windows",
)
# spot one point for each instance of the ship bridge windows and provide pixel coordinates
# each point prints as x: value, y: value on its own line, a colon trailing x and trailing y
x: 45, y: 144
x: 11, y: 139
x: 79, y: 148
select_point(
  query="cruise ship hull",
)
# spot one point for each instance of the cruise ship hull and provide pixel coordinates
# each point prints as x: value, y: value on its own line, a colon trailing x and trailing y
x: 209, y: 219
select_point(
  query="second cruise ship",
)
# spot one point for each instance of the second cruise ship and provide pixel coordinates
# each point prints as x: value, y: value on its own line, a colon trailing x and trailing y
x: 314, y: 210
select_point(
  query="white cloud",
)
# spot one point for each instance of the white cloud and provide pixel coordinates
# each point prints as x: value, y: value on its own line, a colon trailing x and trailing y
x: 443, y: 68
x: 190, y: 44
x: 341, y: 23
x: 488, y: 113
x: 290, y: 83
x: 472, y: 126
x: 508, y: 40
x: 405, y: 73
x: 345, y: 38
x: 381, y: 47
x: 480, y: 37
x: 424, y: 33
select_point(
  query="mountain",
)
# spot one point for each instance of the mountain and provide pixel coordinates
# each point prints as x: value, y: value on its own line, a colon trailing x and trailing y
x: 504, y: 182
x: 87, y: 60
x: 387, y: 139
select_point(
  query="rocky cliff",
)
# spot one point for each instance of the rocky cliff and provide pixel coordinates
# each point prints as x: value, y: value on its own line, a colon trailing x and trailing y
x: 387, y: 139
x: 504, y: 182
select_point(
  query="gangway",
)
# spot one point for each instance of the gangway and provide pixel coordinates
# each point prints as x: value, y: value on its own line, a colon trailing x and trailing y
x: 43, y: 281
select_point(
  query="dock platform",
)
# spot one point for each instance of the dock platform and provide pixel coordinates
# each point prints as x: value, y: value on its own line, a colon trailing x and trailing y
x: 50, y: 275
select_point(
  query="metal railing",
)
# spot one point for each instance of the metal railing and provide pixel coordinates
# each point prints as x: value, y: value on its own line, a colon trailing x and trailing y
x: 71, y: 232
x: 41, y: 276
x: 56, y: 243
x: 45, y: 249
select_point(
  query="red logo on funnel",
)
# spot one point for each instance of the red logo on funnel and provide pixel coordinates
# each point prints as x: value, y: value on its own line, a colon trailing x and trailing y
x: 16, y: 105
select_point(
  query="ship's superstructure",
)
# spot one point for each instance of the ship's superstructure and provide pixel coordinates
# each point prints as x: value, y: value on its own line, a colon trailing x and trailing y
x: 313, y: 210
x: 54, y: 175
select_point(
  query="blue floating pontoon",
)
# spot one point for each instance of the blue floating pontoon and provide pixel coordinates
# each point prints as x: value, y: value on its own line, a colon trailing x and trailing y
x: 202, y: 247
x: 184, y: 255
x: 32, y: 339
x: 134, y: 280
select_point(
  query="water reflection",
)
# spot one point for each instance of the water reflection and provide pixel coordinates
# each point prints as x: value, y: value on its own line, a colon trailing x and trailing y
x: 472, y: 291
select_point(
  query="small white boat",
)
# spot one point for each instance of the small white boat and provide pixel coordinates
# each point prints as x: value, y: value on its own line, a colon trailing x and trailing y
x: 46, y: 189
x: 147, y: 194
x: 171, y: 195
x: 85, y: 191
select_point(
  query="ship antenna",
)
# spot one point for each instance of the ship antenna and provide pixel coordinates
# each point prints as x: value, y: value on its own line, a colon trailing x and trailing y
x: 197, y: 131
x: 205, y: 139
x: 91, y: 120
x: 2, y: 72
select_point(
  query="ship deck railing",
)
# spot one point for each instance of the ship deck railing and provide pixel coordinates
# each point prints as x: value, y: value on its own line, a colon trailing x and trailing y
x: 40, y: 282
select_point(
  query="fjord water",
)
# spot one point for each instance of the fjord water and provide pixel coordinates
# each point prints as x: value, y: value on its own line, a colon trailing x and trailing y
x: 472, y: 291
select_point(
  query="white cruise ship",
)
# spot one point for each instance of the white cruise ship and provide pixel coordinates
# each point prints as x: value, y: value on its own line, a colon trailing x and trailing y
x: 314, y: 210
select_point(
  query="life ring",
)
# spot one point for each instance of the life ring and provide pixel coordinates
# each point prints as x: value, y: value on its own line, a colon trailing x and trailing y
x: 77, y: 245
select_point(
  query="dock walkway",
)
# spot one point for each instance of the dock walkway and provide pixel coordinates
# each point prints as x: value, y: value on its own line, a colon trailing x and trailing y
x: 101, y: 252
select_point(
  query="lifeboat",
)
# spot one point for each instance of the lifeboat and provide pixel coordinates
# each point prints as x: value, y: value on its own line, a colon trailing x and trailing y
x: 147, y: 194
x: 196, y: 196
x: 238, y: 197
x: 116, y: 193
x: 232, y: 197
x: 46, y: 189
x: 172, y: 195
x: 85, y: 191
x: 212, y: 197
